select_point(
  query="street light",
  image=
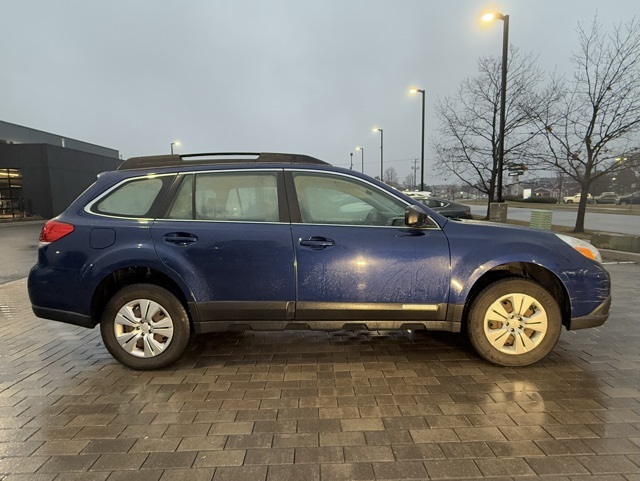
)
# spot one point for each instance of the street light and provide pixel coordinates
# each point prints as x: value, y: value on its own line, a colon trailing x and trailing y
x: 174, y: 143
x: 375, y: 129
x: 415, y: 91
x: 351, y: 164
x: 361, y: 149
x: 488, y: 17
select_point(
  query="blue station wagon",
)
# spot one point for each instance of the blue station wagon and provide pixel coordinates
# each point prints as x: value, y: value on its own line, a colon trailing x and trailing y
x: 167, y: 246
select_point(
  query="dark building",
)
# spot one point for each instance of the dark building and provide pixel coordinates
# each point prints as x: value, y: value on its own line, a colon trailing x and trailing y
x: 41, y: 173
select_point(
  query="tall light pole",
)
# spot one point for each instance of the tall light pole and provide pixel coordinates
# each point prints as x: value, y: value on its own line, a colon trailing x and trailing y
x: 488, y: 17
x: 174, y: 143
x: 375, y: 129
x: 361, y: 149
x: 415, y: 91
x: 351, y: 164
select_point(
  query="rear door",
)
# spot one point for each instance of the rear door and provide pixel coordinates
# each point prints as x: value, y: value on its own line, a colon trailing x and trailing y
x: 228, y: 236
x: 355, y: 258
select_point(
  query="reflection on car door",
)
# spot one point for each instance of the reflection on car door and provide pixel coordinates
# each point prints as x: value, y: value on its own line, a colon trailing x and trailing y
x: 363, y: 264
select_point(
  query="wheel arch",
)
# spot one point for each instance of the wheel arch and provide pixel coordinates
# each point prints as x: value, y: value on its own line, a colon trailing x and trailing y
x: 127, y: 276
x: 526, y: 270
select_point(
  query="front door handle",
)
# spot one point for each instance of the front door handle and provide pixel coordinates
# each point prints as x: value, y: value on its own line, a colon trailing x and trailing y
x: 317, y: 242
x: 180, y: 238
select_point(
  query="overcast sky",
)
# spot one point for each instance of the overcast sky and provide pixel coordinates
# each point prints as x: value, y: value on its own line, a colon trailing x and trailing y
x: 310, y: 77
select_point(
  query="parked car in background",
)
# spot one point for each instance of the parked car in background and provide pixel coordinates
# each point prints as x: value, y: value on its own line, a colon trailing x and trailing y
x: 417, y: 193
x: 172, y: 245
x: 446, y: 208
x: 575, y: 199
x: 629, y: 199
x: 606, y: 198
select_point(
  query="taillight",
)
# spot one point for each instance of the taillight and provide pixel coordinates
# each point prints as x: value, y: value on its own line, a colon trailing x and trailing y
x: 55, y: 230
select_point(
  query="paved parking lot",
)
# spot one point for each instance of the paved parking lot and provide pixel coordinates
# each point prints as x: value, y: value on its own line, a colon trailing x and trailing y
x: 312, y: 405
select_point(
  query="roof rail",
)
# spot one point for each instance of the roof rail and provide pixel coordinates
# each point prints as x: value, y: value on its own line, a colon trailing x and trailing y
x: 176, y: 160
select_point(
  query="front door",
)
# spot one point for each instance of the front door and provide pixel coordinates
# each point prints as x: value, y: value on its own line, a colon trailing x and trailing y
x: 355, y: 258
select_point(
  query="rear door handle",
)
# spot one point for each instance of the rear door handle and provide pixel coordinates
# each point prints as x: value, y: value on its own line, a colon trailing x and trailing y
x: 316, y: 242
x: 180, y: 238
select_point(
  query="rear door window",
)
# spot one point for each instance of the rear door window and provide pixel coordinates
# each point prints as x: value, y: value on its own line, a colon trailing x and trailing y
x: 227, y: 196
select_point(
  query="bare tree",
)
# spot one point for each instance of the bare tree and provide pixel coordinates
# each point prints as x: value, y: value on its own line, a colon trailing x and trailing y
x: 633, y: 163
x: 408, y: 182
x: 391, y: 177
x: 468, y: 136
x: 597, y: 117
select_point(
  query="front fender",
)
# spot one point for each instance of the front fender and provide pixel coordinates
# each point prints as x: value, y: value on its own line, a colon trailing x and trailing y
x: 463, y: 278
x: 473, y: 255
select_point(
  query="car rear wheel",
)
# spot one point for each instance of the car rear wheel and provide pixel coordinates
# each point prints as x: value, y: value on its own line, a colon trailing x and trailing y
x: 145, y: 327
x: 514, y: 322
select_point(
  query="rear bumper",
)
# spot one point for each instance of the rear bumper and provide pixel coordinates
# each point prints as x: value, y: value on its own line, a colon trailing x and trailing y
x: 64, y: 316
x: 596, y: 318
x: 57, y: 290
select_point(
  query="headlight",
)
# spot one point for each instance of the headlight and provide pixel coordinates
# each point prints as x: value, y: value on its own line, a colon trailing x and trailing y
x: 582, y: 247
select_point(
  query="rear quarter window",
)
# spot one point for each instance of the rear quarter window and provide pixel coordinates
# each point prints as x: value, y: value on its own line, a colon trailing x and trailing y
x: 132, y: 199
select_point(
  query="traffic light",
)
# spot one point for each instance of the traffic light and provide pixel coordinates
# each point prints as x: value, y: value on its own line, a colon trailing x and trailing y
x: 516, y: 169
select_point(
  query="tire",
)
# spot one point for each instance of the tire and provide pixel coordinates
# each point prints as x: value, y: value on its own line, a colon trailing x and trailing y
x: 144, y: 326
x: 491, y: 312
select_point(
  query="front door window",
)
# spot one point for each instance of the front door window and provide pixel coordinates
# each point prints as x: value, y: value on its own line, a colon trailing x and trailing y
x: 330, y: 199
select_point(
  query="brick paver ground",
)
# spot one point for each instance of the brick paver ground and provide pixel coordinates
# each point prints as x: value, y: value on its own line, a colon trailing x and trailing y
x: 302, y: 405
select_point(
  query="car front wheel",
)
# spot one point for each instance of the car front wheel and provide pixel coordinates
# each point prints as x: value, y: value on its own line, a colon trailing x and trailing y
x: 514, y: 322
x: 144, y: 326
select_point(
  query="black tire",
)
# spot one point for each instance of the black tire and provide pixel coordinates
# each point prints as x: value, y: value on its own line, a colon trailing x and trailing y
x: 162, y: 309
x: 485, y: 318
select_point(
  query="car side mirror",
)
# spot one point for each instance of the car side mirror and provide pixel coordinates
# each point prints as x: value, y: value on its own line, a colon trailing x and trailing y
x: 415, y: 216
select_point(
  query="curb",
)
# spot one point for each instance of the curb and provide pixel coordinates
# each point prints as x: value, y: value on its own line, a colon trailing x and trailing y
x: 620, y: 256
x: 616, y: 242
x: 15, y: 281
x: 22, y: 222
